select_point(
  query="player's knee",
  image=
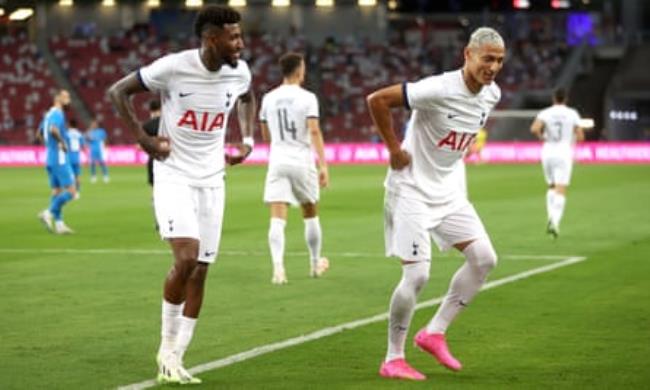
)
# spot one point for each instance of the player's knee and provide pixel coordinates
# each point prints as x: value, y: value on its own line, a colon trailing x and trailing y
x: 416, y: 274
x: 199, y: 274
x: 481, y: 255
x: 276, y: 229
x: 186, y: 261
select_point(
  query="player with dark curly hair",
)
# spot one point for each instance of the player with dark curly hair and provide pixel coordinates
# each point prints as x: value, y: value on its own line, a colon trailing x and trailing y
x: 198, y: 89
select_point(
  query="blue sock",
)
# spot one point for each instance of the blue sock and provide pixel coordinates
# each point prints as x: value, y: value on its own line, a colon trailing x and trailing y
x: 56, y: 207
x: 104, y: 169
x: 92, y: 169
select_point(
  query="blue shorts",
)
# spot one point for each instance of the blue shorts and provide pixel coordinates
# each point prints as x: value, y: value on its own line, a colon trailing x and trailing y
x: 76, y: 169
x: 60, y: 176
x: 96, y: 157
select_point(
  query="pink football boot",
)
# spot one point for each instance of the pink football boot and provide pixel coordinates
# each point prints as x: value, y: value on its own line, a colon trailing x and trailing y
x: 436, y: 345
x: 400, y: 369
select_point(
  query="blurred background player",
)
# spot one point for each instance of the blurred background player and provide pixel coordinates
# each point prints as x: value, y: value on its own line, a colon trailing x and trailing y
x: 289, y: 120
x: 198, y: 89
x: 474, y: 151
x: 96, y: 137
x: 75, y: 144
x: 423, y: 198
x: 57, y: 164
x: 558, y: 126
x: 151, y: 128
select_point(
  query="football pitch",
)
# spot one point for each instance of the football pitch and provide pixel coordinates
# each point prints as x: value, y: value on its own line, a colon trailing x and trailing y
x: 83, y: 311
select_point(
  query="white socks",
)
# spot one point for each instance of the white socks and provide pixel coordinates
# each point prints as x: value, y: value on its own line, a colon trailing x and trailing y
x: 176, y: 331
x: 171, y: 315
x: 185, y: 333
x: 402, y: 304
x: 555, y: 207
x: 480, y: 258
x: 559, y: 203
x: 313, y: 237
x: 276, y: 242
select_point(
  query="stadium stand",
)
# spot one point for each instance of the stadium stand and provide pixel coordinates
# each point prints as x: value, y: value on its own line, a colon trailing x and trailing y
x: 26, y: 84
x: 341, y: 71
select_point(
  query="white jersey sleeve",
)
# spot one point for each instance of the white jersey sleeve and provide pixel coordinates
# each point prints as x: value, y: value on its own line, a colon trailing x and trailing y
x: 312, y: 107
x: 156, y: 75
x: 263, y: 109
x: 424, y: 94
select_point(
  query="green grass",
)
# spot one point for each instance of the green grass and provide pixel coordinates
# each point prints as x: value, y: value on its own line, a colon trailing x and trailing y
x: 90, y: 320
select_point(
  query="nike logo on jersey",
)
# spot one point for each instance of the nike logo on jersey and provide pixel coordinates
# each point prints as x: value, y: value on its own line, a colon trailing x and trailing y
x: 181, y: 94
x: 451, y: 116
x: 209, y: 254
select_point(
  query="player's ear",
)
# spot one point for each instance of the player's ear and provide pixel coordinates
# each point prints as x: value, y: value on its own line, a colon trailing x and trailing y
x: 467, y: 53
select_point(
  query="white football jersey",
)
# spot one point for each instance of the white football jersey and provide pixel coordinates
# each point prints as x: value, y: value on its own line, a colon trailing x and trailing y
x: 445, y: 120
x: 75, y: 140
x: 559, y: 125
x: 195, y: 107
x: 285, y: 111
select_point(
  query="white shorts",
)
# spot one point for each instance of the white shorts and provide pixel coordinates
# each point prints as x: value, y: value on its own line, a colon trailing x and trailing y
x: 194, y: 212
x: 409, y: 226
x: 291, y: 184
x: 557, y: 169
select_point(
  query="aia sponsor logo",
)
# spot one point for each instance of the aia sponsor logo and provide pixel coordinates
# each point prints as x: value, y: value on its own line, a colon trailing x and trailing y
x: 202, y: 121
x: 457, y: 141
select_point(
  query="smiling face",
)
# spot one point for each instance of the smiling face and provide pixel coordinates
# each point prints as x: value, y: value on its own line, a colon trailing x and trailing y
x: 482, y: 64
x: 226, y: 44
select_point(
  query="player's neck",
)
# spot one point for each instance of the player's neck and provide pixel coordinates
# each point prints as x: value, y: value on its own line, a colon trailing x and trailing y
x: 472, y: 85
x: 211, y: 63
x: 291, y: 81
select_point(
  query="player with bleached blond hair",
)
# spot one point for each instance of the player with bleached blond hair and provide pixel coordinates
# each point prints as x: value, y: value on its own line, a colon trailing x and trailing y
x: 423, y: 199
x: 559, y: 127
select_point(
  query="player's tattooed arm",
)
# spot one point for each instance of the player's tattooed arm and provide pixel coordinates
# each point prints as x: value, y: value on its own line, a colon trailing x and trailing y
x: 380, y: 103
x: 120, y: 94
x: 246, y: 111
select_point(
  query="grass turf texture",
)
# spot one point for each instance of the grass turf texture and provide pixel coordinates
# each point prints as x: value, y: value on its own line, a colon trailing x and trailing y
x: 90, y: 319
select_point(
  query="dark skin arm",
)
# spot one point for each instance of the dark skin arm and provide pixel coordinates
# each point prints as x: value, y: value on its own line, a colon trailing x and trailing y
x: 380, y: 103
x: 120, y: 94
x: 246, y: 109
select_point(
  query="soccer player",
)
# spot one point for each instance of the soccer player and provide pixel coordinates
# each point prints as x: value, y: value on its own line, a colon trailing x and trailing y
x: 198, y: 89
x: 558, y: 126
x: 151, y: 128
x: 75, y: 143
x: 59, y: 172
x: 96, y: 136
x: 289, y: 120
x: 423, y: 199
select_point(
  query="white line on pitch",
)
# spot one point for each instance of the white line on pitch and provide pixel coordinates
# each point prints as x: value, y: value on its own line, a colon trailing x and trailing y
x: 264, y: 349
x: 113, y: 251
